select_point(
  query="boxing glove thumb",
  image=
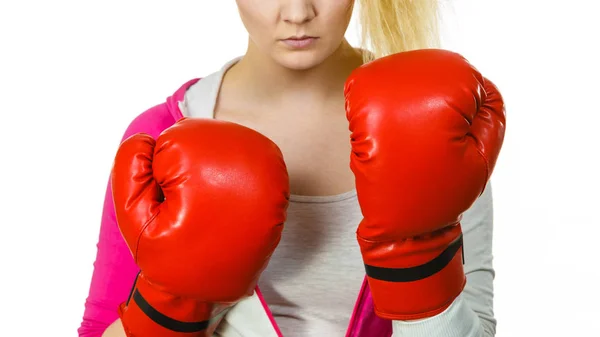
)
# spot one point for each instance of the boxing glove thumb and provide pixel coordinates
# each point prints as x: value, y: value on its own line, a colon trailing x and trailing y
x: 142, y: 198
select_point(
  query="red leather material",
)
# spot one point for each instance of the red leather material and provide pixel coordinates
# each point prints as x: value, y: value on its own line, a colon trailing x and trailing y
x: 426, y: 131
x: 201, y: 209
x: 202, y: 317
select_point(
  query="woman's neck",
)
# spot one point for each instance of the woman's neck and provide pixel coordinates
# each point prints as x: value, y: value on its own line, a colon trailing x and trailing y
x: 259, y: 76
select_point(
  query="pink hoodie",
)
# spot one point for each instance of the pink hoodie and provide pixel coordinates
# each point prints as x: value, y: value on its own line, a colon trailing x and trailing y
x: 115, y: 270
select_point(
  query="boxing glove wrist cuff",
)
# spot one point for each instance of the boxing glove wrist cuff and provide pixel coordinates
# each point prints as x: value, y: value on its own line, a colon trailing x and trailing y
x: 168, y: 322
x: 150, y: 310
x: 419, y: 272
x: 431, y: 279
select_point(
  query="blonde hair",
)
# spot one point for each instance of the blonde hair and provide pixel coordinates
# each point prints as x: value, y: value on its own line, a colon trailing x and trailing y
x: 393, y: 26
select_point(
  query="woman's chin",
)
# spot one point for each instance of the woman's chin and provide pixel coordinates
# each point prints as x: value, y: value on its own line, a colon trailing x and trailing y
x: 299, y: 59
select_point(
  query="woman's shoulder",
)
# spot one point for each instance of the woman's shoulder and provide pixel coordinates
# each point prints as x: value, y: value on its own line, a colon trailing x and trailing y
x: 161, y: 116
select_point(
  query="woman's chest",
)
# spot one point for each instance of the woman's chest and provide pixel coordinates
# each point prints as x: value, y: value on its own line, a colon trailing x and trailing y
x: 316, y: 148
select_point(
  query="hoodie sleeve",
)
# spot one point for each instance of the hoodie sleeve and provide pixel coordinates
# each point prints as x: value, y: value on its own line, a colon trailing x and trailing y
x: 114, y: 268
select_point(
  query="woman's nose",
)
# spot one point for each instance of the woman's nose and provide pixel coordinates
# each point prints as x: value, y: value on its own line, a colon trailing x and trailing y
x: 297, y: 11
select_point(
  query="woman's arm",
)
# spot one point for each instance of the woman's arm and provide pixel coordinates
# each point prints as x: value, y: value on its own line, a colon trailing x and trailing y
x: 114, y: 267
x: 113, y: 276
x: 478, y: 228
x: 472, y: 313
x: 115, y: 330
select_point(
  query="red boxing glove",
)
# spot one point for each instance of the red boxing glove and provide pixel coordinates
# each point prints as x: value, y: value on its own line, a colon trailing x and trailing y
x: 426, y: 130
x: 201, y: 209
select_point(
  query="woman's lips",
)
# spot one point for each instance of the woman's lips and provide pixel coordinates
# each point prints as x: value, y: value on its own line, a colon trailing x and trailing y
x: 301, y: 42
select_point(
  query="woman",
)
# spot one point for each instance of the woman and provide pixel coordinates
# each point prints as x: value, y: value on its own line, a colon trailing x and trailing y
x: 289, y: 86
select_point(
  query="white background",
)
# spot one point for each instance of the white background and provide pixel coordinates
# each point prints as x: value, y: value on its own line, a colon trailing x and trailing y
x: 73, y: 74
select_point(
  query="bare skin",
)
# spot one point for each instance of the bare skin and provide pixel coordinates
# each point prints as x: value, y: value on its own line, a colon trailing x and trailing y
x: 303, y: 113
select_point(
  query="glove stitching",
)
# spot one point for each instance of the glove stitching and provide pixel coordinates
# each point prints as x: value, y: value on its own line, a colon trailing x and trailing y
x: 487, y: 168
x: 137, y: 246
